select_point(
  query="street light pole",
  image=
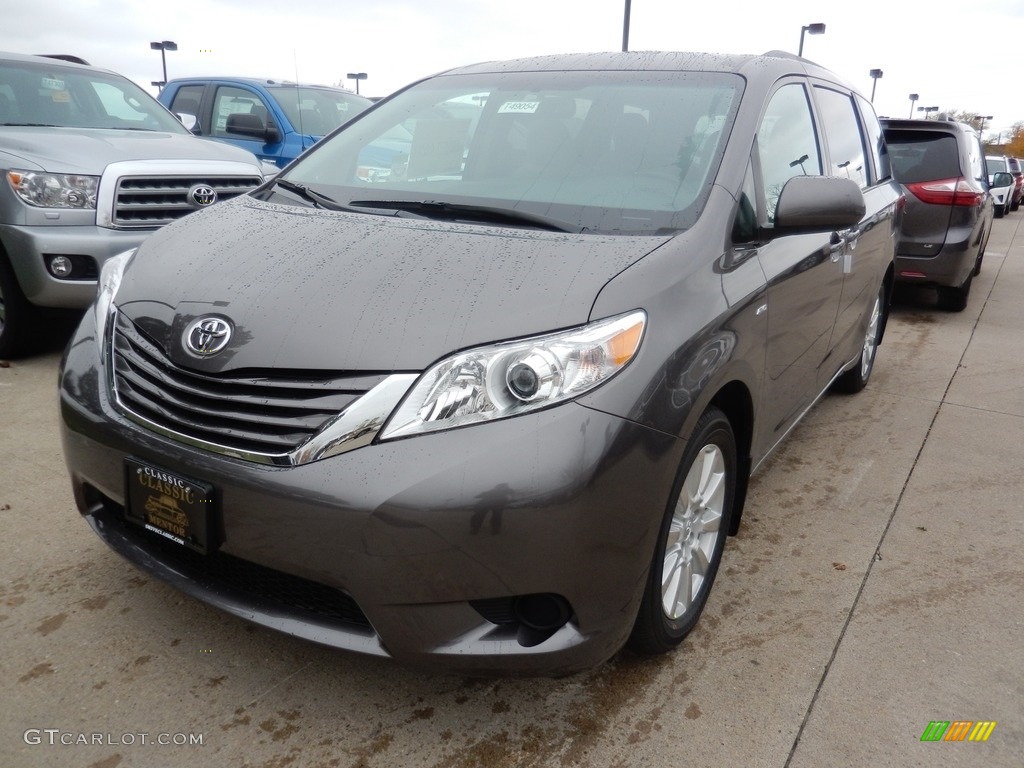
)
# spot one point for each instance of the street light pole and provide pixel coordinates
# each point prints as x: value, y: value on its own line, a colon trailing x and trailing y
x: 625, y: 27
x: 875, y: 75
x: 163, y: 46
x: 981, y: 131
x: 357, y: 76
x: 913, y: 98
x: 813, y: 29
x: 927, y: 111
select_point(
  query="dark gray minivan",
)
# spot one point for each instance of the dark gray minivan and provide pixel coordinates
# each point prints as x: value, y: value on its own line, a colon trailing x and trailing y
x: 948, y: 219
x: 478, y: 382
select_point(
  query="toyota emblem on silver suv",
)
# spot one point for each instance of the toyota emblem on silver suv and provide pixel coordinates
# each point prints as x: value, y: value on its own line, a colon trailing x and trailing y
x: 207, y: 336
x: 202, y: 195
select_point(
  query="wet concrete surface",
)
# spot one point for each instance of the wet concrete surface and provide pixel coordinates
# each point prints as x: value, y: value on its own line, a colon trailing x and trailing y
x: 875, y: 586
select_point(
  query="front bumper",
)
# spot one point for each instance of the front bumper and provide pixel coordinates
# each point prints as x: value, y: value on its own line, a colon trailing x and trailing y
x: 403, y: 541
x: 30, y: 247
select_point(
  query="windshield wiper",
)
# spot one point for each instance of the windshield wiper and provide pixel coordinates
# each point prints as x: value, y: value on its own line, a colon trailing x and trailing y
x: 437, y: 209
x: 319, y: 199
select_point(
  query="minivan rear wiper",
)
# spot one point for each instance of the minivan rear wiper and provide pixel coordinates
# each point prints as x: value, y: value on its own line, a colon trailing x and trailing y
x: 437, y: 209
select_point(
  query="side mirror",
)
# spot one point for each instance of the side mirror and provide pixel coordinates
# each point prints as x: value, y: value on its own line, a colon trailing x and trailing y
x: 253, y: 127
x: 1002, y: 179
x: 818, y: 203
x: 191, y: 122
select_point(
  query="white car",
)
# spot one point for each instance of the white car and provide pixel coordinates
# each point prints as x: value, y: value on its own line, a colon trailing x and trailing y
x: 1002, y: 196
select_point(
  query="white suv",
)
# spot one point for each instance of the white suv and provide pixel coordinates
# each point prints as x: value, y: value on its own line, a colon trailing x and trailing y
x: 1001, y: 196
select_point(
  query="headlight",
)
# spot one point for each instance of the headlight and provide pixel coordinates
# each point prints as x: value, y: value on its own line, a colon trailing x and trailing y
x: 110, y: 281
x: 54, y: 190
x: 516, y: 377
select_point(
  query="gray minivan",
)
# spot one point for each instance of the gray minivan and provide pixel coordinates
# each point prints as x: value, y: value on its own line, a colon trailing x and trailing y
x: 948, y: 220
x: 489, y: 400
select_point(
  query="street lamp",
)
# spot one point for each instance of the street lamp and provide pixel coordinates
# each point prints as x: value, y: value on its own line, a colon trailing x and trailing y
x: 357, y: 76
x: 814, y: 29
x: 875, y: 75
x: 913, y: 98
x: 927, y: 110
x: 981, y: 131
x: 164, y: 46
x: 625, y: 27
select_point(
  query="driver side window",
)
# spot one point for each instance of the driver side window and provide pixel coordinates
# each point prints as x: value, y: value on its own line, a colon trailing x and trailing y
x: 234, y: 101
x: 786, y: 143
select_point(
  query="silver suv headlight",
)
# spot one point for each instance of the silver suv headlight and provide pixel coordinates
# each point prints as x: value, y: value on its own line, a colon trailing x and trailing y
x: 516, y: 377
x: 54, y: 190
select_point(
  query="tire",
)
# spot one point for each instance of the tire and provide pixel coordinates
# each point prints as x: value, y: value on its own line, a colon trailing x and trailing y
x: 854, y: 380
x: 15, y: 313
x: 955, y: 299
x: 1000, y: 211
x: 691, y: 539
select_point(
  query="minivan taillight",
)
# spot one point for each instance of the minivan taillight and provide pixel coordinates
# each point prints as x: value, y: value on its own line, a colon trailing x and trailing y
x: 957, y: 191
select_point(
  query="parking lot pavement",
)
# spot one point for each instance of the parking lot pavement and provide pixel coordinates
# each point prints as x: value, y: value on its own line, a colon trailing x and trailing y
x: 875, y: 587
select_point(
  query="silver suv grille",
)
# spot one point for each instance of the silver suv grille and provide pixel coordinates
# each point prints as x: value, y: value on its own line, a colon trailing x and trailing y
x: 152, y: 201
x: 245, y: 412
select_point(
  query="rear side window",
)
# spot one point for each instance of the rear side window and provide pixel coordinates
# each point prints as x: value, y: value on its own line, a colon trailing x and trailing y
x: 876, y: 145
x: 923, y: 156
x: 845, y: 140
x: 976, y: 158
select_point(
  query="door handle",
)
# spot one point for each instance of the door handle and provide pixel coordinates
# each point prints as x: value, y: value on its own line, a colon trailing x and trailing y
x: 836, y: 246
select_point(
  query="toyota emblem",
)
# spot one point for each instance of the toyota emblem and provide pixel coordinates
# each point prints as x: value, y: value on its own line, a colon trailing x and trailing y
x: 202, y: 195
x: 207, y: 336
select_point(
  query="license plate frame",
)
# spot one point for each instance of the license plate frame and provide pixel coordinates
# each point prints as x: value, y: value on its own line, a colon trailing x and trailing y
x: 177, y: 508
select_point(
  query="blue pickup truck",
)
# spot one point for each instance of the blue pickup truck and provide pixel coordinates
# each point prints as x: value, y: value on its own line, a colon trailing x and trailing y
x: 274, y: 120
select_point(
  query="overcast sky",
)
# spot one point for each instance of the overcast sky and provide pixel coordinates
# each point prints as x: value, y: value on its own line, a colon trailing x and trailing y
x: 952, y: 54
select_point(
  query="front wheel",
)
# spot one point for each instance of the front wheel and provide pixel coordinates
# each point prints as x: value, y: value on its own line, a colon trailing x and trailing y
x: 855, y: 379
x: 691, y: 540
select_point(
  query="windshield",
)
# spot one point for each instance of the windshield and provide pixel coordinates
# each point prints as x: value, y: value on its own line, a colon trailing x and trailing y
x: 995, y: 166
x: 68, y: 97
x: 600, y: 151
x: 317, y: 111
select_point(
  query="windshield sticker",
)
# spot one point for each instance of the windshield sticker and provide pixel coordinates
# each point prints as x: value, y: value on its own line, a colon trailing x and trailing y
x: 519, y: 107
x: 52, y: 84
x: 61, y: 97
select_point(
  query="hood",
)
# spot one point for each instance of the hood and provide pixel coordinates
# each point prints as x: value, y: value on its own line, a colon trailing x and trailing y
x: 90, y: 150
x: 314, y: 289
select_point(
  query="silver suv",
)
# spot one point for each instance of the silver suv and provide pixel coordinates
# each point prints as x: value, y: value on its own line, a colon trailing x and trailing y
x: 91, y: 166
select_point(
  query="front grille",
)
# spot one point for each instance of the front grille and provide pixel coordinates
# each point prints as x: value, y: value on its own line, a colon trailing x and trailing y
x: 152, y: 201
x: 245, y: 411
x: 251, y: 583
